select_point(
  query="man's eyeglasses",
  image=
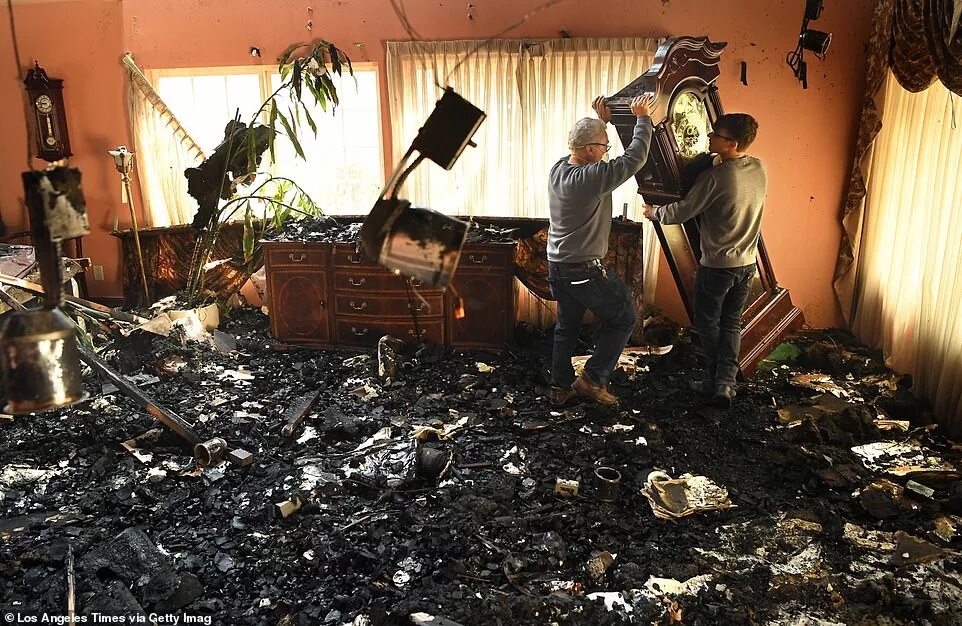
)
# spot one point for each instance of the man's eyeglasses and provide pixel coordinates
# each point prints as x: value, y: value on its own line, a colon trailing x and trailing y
x: 721, y: 136
x: 606, y: 145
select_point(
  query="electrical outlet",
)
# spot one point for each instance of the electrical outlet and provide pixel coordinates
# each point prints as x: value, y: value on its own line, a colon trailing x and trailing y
x: 98, y: 272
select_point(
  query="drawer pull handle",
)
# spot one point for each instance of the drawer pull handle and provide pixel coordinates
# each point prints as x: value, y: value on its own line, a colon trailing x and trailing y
x: 301, y: 257
x: 415, y: 334
x: 478, y: 259
x: 415, y: 282
x: 359, y: 333
x: 358, y: 307
x: 357, y: 283
x: 353, y: 258
x: 416, y: 309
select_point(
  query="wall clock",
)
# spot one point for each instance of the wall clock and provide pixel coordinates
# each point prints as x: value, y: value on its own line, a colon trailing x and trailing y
x: 49, y: 118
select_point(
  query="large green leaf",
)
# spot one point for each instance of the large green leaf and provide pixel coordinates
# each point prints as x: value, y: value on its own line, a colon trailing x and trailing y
x: 321, y: 92
x: 296, y: 78
x: 286, y: 55
x: 310, y: 121
x: 291, y: 134
x: 295, y: 111
x: 335, y: 61
x: 331, y: 89
x: 273, y: 125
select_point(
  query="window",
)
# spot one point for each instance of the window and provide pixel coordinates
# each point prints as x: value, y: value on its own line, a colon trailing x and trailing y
x: 344, y: 169
x: 532, y: 92
x: 909, y: 280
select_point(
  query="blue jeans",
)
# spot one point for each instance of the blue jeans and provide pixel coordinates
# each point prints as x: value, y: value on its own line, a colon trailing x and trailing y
x: 720, y: 296
x: 580, y: 288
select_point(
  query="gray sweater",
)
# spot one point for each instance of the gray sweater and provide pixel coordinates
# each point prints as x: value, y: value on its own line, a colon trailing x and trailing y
x: 727, y: 202
x: 579, y: 200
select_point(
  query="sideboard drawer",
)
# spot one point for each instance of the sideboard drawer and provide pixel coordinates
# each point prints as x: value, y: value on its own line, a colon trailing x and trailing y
x: 347, y: 255
x: 366, y: 280
x: 294, y: 255
x: 374, y: 304
x: 484, y: 259
x: 363, y: 331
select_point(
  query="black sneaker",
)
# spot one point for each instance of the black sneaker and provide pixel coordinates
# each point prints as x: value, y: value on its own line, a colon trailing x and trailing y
x: 723, y: 396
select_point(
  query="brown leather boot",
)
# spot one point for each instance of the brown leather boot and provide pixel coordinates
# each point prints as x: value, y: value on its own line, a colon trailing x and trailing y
x: 559, y: 395
x: 598, y: 393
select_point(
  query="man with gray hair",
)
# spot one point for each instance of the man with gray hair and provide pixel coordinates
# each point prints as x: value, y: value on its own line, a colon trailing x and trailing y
x: 580, y: 187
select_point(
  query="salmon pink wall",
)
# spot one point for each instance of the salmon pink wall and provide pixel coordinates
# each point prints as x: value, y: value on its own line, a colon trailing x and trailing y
x: 805, y: 137
x: 78, y: 42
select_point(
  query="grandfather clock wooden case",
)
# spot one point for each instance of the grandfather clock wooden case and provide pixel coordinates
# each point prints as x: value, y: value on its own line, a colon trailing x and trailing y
x: 682, y: 78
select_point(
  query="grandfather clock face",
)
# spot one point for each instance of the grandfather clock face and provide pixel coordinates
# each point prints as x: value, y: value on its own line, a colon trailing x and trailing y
x: 50, y: 124
x: 690, y: 124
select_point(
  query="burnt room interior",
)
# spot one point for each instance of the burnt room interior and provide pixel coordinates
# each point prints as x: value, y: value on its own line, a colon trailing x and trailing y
x: 276, y: 325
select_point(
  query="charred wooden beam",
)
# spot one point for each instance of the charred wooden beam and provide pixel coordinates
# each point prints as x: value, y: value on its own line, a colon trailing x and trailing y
x: 299, y: 412
x: 38, y: 289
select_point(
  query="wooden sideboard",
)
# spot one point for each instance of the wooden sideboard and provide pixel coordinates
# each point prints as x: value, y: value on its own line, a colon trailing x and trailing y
x: 333, y: 295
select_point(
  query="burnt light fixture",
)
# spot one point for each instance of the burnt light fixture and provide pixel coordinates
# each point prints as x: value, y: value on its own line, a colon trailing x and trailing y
x: 815, y: 41
x: 417, y: 242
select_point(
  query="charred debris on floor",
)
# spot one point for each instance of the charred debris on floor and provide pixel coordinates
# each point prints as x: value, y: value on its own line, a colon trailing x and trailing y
x: 416, y: 485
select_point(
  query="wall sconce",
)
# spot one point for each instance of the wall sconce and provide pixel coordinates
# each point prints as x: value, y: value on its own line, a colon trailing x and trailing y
x: 815, y: 41
x: 255, y: 51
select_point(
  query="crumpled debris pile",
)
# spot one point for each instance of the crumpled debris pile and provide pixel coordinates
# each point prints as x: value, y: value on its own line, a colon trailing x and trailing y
x: 418, y: 485
x: 687, y: 495
x: 328, y: 229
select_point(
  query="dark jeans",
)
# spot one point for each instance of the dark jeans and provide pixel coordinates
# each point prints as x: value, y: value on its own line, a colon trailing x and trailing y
x: 720, y: 296
x: 580, y: 288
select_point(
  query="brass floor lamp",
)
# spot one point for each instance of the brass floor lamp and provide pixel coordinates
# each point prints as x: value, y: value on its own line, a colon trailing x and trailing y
x: 124, y: 160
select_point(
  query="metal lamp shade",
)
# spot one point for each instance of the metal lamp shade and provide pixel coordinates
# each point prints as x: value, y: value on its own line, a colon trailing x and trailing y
x: 816, y: 41
x: 40, y: 361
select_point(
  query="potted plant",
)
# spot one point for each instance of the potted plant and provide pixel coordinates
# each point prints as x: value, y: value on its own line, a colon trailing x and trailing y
x: 229, y: 185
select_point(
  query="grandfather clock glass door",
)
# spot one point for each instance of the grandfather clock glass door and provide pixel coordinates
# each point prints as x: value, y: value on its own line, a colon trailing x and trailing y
x: 682, y: 78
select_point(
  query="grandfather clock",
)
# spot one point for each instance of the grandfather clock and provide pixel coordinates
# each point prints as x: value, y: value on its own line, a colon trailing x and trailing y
x: 50, y: 119
x: 682, y: 78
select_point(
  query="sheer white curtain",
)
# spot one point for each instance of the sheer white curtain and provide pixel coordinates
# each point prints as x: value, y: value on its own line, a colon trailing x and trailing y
x: 532, y: 93
x: 910, y: 278
x: 485, y: 180
x: 163, y: 150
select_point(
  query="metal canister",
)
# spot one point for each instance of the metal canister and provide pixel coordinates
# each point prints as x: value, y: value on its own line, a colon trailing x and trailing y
x: 609, y: 480
x: 210, y: 452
